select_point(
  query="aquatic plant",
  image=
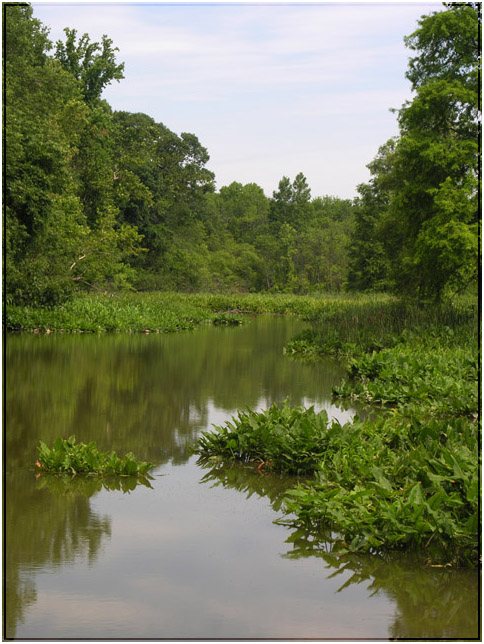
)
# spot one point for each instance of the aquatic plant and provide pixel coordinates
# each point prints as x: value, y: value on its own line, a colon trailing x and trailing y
x: 68, y: 456
x: 406, y: 480
x: 287, y: 439
x: 442, y: 380
x: 165, y: 312
x: 391, y: 483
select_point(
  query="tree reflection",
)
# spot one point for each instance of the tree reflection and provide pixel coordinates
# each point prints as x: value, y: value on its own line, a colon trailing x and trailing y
x: 431, y: 602
x: 44, y: 526
x: 148, y: 394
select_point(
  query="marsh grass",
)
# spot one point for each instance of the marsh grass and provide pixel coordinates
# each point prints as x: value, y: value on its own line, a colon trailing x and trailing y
x: 367, y: 325
x: 168, y: 312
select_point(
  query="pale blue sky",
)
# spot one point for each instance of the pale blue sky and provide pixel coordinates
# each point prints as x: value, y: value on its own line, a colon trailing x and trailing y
x: 269, y: 89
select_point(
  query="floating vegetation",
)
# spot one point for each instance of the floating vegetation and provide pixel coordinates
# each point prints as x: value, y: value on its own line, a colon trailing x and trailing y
x: 397, y: 482
x: 69, y: 457
x: 286, y: 439
x: 407, y: 480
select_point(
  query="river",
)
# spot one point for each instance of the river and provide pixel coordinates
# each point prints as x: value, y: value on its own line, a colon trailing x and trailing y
x: 197, y: 554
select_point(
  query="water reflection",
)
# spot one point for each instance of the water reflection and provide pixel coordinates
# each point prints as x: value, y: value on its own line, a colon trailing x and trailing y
x: 152, y: 395
x: 148, y: 394
x: 43, y: 528
x: 431, y: 603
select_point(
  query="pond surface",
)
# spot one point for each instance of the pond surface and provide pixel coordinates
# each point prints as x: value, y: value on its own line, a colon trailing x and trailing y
x: 197, y: 555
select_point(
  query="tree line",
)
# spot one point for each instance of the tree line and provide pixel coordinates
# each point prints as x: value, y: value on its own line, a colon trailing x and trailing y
x: 100, y: 199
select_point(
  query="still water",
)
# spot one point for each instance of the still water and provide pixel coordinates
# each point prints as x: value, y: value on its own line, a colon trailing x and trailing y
x: 197, y: 555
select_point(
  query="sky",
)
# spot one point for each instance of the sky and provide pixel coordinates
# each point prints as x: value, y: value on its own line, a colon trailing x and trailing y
x: 270, y: 89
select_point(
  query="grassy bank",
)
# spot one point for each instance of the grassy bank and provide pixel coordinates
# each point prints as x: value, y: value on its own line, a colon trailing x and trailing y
x: 408, y: 480
x: 167, y: 312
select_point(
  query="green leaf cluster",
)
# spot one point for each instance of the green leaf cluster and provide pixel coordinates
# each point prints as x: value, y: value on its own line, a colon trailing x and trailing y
x: 287, y: 439
x: 405, y: 479
x: 69, y: 457
x: 397, y: 482
x: 400, y: 482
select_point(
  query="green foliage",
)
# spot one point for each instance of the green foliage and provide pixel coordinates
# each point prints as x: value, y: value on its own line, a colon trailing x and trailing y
x: 93, y: 70
x: 68, y: 457
x: 398, y: 482
x: 288, y: 439
x: 443, y: 380
x: 422, y: 204
x: 164, y: 312
x: 391, y: 483
x: 105, y: 200
x: 61, y: 229
x: 352, y: 327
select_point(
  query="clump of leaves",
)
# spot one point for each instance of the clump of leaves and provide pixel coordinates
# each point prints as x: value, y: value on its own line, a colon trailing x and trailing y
x: 442, y: 379
x: 68, y: 456
x: 287, y: 439
x: 397, y: 483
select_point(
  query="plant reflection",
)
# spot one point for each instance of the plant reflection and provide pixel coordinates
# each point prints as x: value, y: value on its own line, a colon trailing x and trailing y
x: 86, y: 485
x: 247, y: 479
x: 147, y: 394
x: 431, y: 602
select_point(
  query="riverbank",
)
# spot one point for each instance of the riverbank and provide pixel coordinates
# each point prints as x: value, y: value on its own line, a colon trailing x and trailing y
x: 168, y: 312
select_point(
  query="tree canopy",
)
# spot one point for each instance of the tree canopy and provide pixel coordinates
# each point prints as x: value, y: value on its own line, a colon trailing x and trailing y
x: 102, y: 199
x: 427, y: 182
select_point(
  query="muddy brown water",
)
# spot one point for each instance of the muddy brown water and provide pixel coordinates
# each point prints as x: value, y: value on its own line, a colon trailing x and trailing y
x: 197, y: 555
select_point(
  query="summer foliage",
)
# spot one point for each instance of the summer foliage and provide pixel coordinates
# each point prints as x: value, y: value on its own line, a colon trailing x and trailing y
x: 97, y: 199
x: 100, y: 200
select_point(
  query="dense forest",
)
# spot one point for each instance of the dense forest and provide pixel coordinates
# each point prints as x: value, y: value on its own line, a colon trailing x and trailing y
x: 101, y: 199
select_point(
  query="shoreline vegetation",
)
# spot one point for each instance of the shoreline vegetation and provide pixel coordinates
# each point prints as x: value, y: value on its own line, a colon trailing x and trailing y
x: 405, y: 479
x: 166, y: 312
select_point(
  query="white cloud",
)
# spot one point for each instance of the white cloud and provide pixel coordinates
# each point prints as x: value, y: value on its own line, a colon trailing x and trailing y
x: 261, y: 84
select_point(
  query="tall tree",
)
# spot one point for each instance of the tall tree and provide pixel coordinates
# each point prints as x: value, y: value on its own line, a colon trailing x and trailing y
x: 372, y: 243
x: 290, y: 202
x: 421, y: 205
x: 436, y: 165
x: 93, y: 64
x: 59, y: 214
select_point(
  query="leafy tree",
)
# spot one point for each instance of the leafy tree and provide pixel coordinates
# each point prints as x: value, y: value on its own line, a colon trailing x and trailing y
x: 369, y: 263
x: 58, y: 188
x: 434, y: 203
x: 161, y: 185
x: 244, y: 210
x: 93, y: 64
x: 418, y: 218
x: 290, y: 203
x: 44, y: 113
